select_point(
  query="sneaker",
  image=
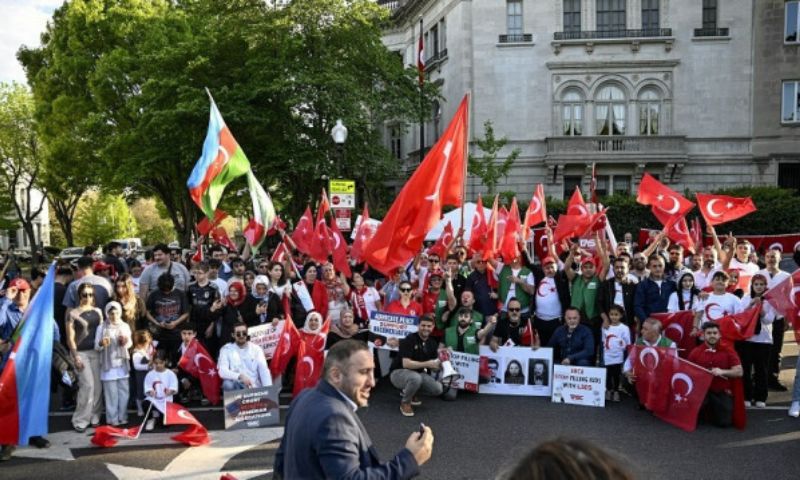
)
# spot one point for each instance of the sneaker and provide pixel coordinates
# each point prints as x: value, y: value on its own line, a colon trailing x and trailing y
x: 140, y: 412
x: 406, y: 409
x: 761, y: 405
x: 794, y: 410
x: 39, y: 442
x: 777, y: 386
x: 415, y: 402
x: 608, y: 395
x: 615, y: 396
x: 80, y: 429
x: 5, y: 453
x: 95, y: 421
x: 748, y: 403
x: 150, y: 425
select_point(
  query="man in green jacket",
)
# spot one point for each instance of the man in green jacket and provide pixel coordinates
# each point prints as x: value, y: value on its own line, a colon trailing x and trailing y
x: 461, y: 337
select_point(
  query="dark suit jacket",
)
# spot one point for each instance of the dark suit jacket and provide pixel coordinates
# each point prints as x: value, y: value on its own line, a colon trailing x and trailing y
x: 324, y: 438
x: 605, y: 298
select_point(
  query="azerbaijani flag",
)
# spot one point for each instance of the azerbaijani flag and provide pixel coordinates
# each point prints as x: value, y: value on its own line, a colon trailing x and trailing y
x: 25, y: 380
x: 222, y: 161
x: 263, y: 212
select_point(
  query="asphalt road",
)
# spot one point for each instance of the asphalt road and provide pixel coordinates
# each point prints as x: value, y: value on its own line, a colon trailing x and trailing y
x: 476, y: 437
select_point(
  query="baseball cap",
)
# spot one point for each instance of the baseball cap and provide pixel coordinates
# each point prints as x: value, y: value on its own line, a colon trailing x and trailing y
x: 100, y: 266
x: 547, y: 260
x: 19, y: 284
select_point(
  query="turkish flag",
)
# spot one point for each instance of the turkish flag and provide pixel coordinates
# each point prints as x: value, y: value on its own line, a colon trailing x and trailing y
x: 739, y: 326
x: 492, y: 238
x: 780, y: 297
x: 277, y: 224
x: 421, y: 60
x: 528, y: 335
x: 677, y: 229
x: 696, y: 231
x: 198, y: 255
x: 340, y: 260
x: 205, y: 226
x: 221, y: 237
x: 536, y: 213
x: 576, y: 205
x: 287, y: 345
x: 440, y: 247
x: 662, y: 198
x: 540, y: 243
x: 570, y: 226
x: 281, y: 253
x: 310, y: 358
x: 107, y: 436
x: 438, y: 181
x: 364, y: 235
x: 303, y: 233
x: 480, y: 228
x: 717, y: 209
x: 509, y: 246
x: 677, y: 326
x: 193, y: 436
x: 651, y: 367
x: 688, y: 385
x: 198, y: 363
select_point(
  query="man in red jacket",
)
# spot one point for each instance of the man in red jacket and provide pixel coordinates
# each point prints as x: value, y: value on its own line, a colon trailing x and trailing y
x: 724, y: 364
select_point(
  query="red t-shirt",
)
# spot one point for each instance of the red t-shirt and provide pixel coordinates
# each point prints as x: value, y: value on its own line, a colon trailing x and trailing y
x: 414, y: 309
x: 723, y: 358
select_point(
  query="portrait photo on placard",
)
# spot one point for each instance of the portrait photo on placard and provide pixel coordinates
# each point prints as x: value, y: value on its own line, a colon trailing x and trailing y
x: 538, y: 372
x: 513, y: 374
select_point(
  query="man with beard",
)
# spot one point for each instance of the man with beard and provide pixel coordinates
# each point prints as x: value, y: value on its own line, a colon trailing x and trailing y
x: 724, y: 364
x: 618, y: 290
x: 652, y: 293
x: 478, y: 284
x: 702, y: 277
x: 551, y: 298
x: 461, y: 337
x: 510, y: 326
x: 414, y: 364
x: 675, y: 267
x: 639, y: 265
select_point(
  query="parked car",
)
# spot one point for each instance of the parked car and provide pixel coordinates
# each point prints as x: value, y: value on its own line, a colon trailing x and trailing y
x: 71, y: 254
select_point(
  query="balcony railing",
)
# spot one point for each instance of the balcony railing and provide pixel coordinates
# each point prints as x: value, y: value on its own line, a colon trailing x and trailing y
x: 391, y: 4
x: 601, y: 34
x: 516, y: 38
x: 711, y: 32
x: 435, y: 59
x: 616, y: 145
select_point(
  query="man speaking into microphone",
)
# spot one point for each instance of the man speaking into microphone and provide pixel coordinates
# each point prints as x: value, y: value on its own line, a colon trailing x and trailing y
x: 324, y: 438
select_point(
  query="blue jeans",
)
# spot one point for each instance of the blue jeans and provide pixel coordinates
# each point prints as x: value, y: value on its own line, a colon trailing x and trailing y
x: 796, y: 389
x: 228, y: 385
x: 116, y: 396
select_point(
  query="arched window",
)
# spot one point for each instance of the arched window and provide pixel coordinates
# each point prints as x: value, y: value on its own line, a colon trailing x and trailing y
x: 609, y: 111
x: 649, y: 112
x: 572, y: 113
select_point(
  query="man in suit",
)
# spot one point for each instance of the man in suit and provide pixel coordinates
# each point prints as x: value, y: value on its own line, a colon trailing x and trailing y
x: 618, y: 290
x: 324, y: 437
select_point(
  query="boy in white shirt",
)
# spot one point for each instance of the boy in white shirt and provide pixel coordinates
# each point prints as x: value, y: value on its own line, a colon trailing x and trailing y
x: 616, y: 338
x: 718, y: 304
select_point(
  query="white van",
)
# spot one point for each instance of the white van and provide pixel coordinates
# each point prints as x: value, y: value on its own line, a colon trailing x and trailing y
x: 129, y: 244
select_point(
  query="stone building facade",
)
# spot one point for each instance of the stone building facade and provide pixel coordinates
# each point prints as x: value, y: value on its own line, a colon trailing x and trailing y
x: 681, y: 89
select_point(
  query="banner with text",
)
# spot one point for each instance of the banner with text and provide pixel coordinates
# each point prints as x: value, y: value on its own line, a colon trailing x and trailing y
x: 466, y: 364
x: 266, y: 336
x: 579, y: 385
x: 391, y: 325
x: 518, y: 371
x: 252, y: 408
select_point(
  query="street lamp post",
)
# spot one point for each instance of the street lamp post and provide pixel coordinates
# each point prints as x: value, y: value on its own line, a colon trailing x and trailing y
x: 339, y: 135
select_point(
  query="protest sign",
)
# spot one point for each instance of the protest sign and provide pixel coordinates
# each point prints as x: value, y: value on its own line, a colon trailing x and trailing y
x: 518, y: 371
x: 466, y: 364
x: 391, y: 325
x: 252, y: 407
x: 579, y: 385
x: 266, y: 336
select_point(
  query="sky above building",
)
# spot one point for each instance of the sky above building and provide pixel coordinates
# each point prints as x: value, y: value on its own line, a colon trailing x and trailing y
x: 24, y: 22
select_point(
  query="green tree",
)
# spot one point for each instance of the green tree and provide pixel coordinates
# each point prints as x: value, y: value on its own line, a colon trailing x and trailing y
x: 152, y: 220
x: 21, y: 156
x: 487, y: 167
x: 131, y: 74
x: 102, y: 217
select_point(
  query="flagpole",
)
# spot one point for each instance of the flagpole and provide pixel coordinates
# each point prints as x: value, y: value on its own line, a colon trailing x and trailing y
x: 208, y: 92
x: 421, y: 98
x: 147, y: 414
x: 466, y: 157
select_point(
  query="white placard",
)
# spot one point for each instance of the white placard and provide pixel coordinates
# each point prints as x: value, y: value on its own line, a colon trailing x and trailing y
x: 579, y: 385
x: 266, y: 336
x: 391, y: 325
x: 518, y: 371
x: 467, y: 365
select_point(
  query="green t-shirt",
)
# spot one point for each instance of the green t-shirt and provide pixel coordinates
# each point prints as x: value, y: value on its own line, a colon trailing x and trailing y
x: 584, y: 296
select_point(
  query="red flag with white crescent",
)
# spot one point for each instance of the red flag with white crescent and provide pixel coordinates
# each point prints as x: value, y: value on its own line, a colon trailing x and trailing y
x: 717, y: 209
x: 480, y: 228
x: 198, y: 363
x: 340, y: 260
x: 287, y: 345
x: 670, y: 203
x: 177, y: 414
x: 739, y: 326
x: 303, y: 233
x: 509, y: 244
x: 688, y: 385
x: 536, y: 213
x: 440, y: 247
x: 652, y: 370
x: 364, y: 234
x: 310, y: 358
x: 678, y: 326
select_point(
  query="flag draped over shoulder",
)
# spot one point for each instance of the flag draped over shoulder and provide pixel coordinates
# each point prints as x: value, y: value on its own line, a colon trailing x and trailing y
x: 25, y: 380
x: 438, y: 181
x: 221, y: 162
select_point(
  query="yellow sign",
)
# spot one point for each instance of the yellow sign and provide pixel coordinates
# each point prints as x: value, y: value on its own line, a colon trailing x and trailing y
x: 342, y: 186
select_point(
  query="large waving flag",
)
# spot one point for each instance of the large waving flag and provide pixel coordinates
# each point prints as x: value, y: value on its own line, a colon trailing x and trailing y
x: 667, y: 204
x: 438, y: 181
x: 198, y: 363
x: 263, y: 212
x: 25, y: 380
x: 717, y: 209
x: 221, y: 162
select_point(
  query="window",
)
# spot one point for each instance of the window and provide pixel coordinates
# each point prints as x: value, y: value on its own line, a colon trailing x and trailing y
x: 650, y: 20
x: 570, y: 182
x: 649, y: 111
x: 434, y: 36
x: 622, y: 185
x: 788, y: 176
x: 442, y: 35
x: 791, y: 102
x: 603, y: 183
x: 610, y: 15
x: 790, y: 33
x: 396, y: 142
x: 514, y: 17
x: 572, y: 15
x: 709, y: 14
x: 609, y: 111
x: 572, y: 108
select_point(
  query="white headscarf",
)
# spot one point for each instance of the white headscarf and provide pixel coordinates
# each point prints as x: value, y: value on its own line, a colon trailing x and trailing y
x: 263, y: 280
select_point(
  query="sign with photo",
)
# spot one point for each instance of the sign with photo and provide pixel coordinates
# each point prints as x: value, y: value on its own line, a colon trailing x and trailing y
x: 517, y: 371
x: 467, y: 365
x: 391, y: 325
x: 579, y: 385
x: 252, y: 407
x: 266, y: 336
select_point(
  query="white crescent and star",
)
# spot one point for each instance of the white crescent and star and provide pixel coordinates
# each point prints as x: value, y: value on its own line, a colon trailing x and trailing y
x: 710, y: 208
x: 676, y: 205
x: 648, y: 352
x: 686, y: 379
x: 538, y: 205
x: 680, y: 227
x: 310, y: 363
x: 678, y: 327
x: 448, y: 148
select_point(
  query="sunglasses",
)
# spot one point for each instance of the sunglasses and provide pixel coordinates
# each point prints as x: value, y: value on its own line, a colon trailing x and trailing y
x: 514, y: 309
x: 87, y: 295
x: 434, y: 260
x: 240, y: 334
x: 405, y: 290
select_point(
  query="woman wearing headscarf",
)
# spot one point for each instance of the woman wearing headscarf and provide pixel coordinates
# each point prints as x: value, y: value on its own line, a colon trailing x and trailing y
x: 262, y: 305
x: 229, y: 311
x: 113, y: 341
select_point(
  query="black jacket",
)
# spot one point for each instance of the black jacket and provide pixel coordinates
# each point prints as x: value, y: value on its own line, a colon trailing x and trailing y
x: 605, y: 299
